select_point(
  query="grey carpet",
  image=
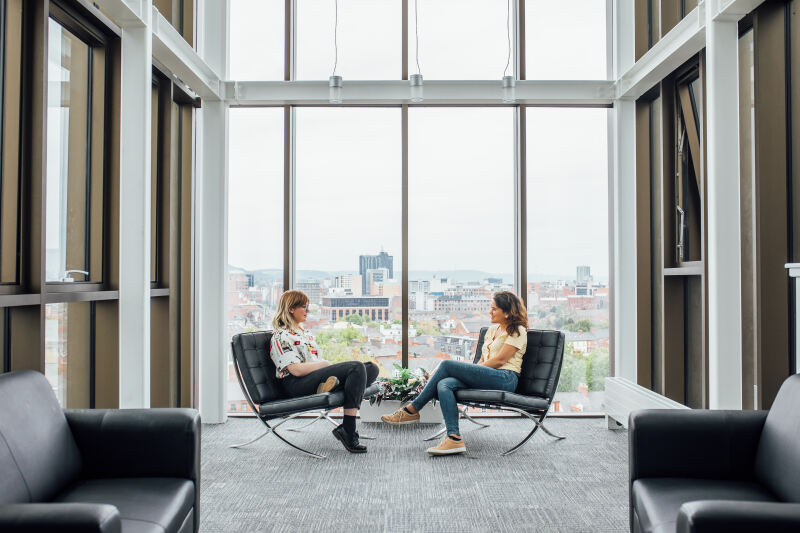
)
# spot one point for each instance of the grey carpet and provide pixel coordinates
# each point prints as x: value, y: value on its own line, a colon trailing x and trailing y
x: 577, y: 484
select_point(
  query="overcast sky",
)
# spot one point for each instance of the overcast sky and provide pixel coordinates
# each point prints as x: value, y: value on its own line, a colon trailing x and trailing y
x: 461, y: 161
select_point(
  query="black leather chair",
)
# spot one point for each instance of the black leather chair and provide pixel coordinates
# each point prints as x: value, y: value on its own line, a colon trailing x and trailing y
x: 541, y: 368
x: 132, y: 470
x: 262, y: 390
x: 702, y: 471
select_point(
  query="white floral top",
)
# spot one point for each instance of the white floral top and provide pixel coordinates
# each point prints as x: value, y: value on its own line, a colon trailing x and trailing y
x: 290, y: 346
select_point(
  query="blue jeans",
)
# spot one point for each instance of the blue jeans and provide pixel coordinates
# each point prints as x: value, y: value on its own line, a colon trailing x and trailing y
x: 454, y: 375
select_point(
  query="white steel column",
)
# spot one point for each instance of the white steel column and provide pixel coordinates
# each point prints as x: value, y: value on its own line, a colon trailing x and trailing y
x: 724, y: 221
x: 622, y: 205
x: 212, y: 220
x: 134, y: 276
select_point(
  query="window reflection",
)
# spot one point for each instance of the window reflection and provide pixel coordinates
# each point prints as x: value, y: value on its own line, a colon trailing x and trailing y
x: 67, y: 352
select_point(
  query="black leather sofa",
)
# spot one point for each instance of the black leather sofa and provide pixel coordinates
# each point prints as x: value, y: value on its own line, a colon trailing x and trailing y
x: 714, y: 471
x: 132, y: 470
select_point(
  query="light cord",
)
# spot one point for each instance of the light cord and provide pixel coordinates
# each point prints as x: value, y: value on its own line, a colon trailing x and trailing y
x: 416, y: 33
x: 508, y: 33
x: 335, y: 37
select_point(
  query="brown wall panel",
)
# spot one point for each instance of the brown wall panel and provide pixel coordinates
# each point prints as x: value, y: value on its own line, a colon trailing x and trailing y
x: 771, y: 178
x: 162, y: 375
x: 27, y: 333
x: 643, y: 266
x: 674, y: 337
x: 98, y: 164
x: 670, y: 14
x: 107, y: 354
x: 12, y: 101
x: 695, y: 334
x: 77, y: 329
x: 186, y: 258
x: 640, y: 41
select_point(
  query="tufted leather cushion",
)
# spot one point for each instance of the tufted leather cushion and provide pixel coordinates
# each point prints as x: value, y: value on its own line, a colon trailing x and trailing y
x: 498, y: 397
x: 778, y: 455
x: 38, y: 455
x: 251, y: 354
x: 541, y: 364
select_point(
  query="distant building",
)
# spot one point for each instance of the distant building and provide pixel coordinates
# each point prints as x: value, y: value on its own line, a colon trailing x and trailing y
x: 312, y: 288
x: 374, y: 308
x: 583, y: 274
x: 419, y: 286
x: 375, y: 276
x: 369, y: 262
x: 460, y: 304
x: 351, y: 283
x: 460, y: 348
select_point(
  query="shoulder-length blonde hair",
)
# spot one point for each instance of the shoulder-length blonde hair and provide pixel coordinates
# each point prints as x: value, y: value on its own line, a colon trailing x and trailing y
x: 517, y: 315
x: 289, y: 300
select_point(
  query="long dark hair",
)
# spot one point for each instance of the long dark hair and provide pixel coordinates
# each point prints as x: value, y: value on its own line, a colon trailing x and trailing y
x: 517, y: 315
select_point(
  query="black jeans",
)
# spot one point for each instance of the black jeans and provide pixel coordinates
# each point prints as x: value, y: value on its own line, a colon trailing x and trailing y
x: 354, y: 376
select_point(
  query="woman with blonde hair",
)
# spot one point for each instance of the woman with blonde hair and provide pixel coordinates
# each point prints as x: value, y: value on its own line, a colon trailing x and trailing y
x: 504, y: 345
x: 302, y: 371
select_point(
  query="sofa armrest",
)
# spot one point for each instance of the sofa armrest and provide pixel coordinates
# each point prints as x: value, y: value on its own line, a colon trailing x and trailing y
x: 138, y: 442
x: 694, y: 443
x: 60, y: 518
x: 707, y: 516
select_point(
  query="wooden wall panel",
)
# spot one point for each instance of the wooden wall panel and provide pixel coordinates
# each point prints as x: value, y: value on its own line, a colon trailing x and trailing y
x: 643, y: 266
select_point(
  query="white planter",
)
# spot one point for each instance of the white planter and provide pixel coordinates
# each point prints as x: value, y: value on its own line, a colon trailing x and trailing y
x: 430, y: 414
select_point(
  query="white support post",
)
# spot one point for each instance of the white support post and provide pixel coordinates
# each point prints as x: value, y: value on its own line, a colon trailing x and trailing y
x: 724, y: 221
x: 212, y: 221
x: 623, y: 211
x: 134, y: 277
x: 622, y: 148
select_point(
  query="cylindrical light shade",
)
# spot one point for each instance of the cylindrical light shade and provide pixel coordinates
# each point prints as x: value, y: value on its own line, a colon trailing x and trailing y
x: 509, y: 93
x: 415, y: 81
x: 335, y: 89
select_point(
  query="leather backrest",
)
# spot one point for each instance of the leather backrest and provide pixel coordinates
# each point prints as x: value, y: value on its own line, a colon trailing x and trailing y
x: 251, y: 355
x: 38, y: 455
x: 541, y: 364
x: 479, y: 348
x: 778, y: 455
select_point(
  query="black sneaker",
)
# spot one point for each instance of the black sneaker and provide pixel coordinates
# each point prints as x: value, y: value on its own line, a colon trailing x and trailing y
x: 349, y: 441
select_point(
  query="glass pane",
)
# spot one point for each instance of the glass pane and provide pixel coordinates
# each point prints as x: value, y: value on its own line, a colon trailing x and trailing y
x: 460, y: 227
x: 567, y: 195
x: 348, y: 229
x: 67, y: 147
x: 369, y: 39
x: 66, y: 352
x: 256, y: 39
x: 255, y: 226
x: 565, y: 40
x: 465, y: 40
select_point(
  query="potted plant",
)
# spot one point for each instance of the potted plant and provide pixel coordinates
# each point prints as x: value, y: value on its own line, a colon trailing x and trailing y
x: 395, y: 392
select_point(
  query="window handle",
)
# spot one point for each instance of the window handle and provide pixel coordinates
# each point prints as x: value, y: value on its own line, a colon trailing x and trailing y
x: 68, y: 279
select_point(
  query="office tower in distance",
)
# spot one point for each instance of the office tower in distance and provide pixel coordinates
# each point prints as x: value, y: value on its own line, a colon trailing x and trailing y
x: 369, y: 262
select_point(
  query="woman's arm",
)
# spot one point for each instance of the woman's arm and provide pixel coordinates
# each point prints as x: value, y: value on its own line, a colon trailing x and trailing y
x: 503, y: 356
x: 304, y: 369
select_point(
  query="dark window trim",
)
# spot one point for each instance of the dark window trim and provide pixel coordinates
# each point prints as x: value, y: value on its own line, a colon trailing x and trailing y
x: 83, y: 23
x: 92, y: 352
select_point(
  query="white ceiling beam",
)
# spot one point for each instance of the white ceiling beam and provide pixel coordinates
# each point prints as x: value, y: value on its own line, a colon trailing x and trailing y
x: 172, y: 51
x: 733, y: 10
x: 124, y: 13
x: 682, y: 42
x: 434, y: 92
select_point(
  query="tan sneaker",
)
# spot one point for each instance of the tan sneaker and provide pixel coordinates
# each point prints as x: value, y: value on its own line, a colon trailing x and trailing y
x: 400, y: 417
x: 448, y: 447
x: 328, y: 385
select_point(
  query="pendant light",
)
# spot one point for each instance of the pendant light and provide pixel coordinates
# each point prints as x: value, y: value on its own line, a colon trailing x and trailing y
x: 334, y: 81
x: 415, y: 80
x: 508, y: 83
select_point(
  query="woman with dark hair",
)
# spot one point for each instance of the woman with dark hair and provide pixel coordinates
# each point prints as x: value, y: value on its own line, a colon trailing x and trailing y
x: 501, y: 362
x: 302, y: 371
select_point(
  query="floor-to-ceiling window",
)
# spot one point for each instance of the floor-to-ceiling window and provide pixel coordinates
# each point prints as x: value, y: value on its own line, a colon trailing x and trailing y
x: 567, y: 231
x: 255, y: 226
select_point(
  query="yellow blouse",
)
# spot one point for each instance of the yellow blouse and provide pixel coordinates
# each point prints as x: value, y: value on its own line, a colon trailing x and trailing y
x: 492, y: 348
